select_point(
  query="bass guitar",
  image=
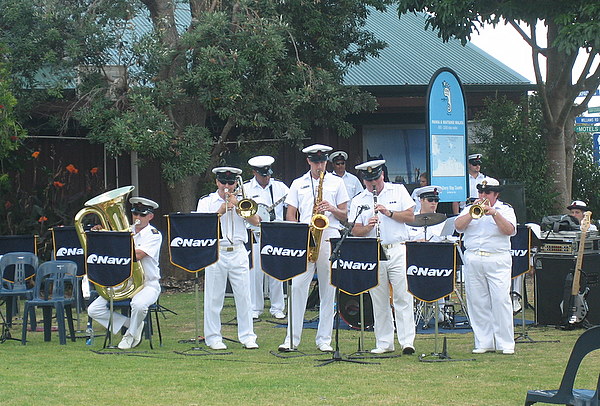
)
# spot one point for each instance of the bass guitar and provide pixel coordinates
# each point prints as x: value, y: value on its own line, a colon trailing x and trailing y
x: 574, y: 305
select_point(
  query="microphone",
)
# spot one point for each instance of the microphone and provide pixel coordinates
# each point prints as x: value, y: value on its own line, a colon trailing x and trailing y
x: 364, y: 207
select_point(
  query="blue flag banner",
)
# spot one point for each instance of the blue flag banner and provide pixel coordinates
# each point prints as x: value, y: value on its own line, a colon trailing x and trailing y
x: 520, y: 248
x: 356, y: 268
x: 283, y: 249
x: 18, y: 243
x: 430, y: 269
x: 193, y: 240
x: 67, y: 247
x: 109, y: 257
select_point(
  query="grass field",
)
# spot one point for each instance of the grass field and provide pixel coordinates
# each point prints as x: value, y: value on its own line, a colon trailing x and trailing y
x: 45, y: 373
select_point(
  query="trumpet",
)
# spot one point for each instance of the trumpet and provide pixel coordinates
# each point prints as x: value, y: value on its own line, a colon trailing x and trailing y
x: 477, y: 210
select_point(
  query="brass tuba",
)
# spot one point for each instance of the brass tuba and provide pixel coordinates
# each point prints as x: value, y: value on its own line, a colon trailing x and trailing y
x: 477, y: 210
x: 110, y: 208
x: 318, y: 223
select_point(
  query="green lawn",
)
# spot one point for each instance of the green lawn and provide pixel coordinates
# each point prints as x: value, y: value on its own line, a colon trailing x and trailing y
x: 45, y: 373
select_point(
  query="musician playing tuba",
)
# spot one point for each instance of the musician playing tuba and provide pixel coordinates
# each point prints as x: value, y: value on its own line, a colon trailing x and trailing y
x: 147, y: 240
x: 301, y: 200
x: 232, y: 264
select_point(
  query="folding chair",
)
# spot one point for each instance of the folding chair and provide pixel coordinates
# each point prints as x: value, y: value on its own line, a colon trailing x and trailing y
x: 566, y: 395
x: 125, y: 306
x: 49, y: 292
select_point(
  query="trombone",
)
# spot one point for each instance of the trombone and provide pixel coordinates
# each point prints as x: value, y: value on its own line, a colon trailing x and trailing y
x: 244, y: 208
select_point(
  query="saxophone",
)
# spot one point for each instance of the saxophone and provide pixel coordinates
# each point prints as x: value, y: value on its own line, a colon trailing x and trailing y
x: 318, y: 223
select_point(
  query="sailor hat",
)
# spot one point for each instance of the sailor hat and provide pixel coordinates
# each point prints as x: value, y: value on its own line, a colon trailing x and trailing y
x: 489, y: 185
x: 338, y: 156
x: 262, y: 164
x: 141, y: 205
x: 578, y: 204
x: 226, y: 173
x: 317, y: 152
x: 475, y: 159
x: 428, y: 191
x: 370, y: 170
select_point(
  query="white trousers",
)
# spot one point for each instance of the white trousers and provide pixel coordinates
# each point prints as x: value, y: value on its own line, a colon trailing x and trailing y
x: 257, y: 278
x: 99, y: 309
x: 299, y: 291
x: 393, y: 272
x: 487, y: 285
x: 232, y: 265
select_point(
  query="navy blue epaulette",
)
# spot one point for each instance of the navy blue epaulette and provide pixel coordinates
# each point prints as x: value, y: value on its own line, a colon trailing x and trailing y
x: 507, y: 204
x: 155, y: 231
x: 202, y: 197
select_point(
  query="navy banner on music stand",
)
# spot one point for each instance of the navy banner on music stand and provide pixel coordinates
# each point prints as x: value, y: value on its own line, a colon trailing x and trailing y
x: 193, y: 240
x: 430, y: 269
x: 18, y: 243
x: 283, y: 249
x: 66, y: 246
x: 356, y: 270
x: 520, y: 249
x: 249, y: 247
x: 109, y: 257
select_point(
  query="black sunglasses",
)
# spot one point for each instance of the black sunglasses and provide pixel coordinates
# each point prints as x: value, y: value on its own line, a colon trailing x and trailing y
x: 340, y: 163
x: 139, y: 214
x: 487, y: 192
x: 226, y: 182
x: 475, y: 163
x: 433, y: 199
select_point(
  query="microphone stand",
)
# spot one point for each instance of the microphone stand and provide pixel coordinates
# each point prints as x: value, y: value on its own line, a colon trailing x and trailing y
x: 335, y: 254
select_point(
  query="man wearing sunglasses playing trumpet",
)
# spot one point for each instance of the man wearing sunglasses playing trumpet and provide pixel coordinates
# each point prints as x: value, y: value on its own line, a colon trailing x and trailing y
x: 233, y: 262
x: 486, y: 235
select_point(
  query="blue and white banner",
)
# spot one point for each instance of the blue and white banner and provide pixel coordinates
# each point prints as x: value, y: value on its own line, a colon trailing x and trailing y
x: 67, y: 247
x: 447, y: 135
x: 356, y: 268
x: 109, y: 257
x: 520, y: 249
x: 283, y: 249
x: 430, y: 269
x: 193, y: 240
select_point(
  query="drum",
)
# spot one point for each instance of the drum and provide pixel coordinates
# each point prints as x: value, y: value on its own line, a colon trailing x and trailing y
x: 350, y: 310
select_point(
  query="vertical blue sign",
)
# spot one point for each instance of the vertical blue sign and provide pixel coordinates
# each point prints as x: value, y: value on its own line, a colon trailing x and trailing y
x: 596, y: 138
x: 447, y: 135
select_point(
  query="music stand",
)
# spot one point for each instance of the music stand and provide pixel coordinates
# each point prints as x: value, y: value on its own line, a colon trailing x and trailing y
x: 335, y: 255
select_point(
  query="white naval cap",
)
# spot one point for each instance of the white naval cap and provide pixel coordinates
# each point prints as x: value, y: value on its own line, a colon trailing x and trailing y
x: 475, y: 157
x: 428, y: 191
x: 338, y: 155
x: 142, y: 205
x: 371, y: 170
x: 578, y: 204
x: 317, y: 152
x: 262, y: 164
x: 227, y: 173
x: 489, y: 185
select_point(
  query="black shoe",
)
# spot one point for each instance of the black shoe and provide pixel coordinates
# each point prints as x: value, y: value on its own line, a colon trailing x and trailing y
x: 408, y: 350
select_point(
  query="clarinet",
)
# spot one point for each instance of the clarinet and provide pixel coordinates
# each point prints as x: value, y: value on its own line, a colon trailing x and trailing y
x: 382, y: 255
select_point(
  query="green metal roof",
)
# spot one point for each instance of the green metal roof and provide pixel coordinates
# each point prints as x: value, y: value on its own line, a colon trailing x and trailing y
x: 413, y: 55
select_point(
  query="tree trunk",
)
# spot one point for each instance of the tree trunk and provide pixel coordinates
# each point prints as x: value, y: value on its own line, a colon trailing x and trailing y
x: 183, y: 194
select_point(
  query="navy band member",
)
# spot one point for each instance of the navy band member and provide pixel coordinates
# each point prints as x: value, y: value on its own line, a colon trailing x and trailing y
x: 394, y: 208
x: 300, y: 201
x: 263, y: 189
x: 429, y: 198
x: 487, y: 270
x: 232, y: 263
x: 338, y: 161
x: 577, y: 209
x: 147, y: 241
x: 475, y: 178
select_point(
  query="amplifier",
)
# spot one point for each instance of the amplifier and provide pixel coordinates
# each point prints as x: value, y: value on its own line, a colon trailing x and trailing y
x: 550, y: 273
x: 567, y: 243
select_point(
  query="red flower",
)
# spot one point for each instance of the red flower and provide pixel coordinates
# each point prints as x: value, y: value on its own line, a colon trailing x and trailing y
x: 7, y: 205
x: 35, y: 154
x: 71, y: 168
x: 14, y: 138
x: 42, y: 219
x: 94, y: 170
x: 58, y: 184
x: 1, y: 106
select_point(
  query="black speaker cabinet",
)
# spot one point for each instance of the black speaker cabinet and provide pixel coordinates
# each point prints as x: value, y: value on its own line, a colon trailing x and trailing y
x: 550, y: 274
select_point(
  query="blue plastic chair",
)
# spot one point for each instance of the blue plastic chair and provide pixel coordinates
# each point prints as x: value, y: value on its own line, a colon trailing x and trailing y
x: 49, y: 293
x: 566, y: 395
x: 14, y: 269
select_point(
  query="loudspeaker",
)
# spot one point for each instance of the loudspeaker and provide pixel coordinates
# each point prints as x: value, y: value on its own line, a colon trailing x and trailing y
x: 551, y: 271
x: 514, y: 194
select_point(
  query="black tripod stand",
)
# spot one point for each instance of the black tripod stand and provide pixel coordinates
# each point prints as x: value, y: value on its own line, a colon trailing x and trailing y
x: 335, y: 255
